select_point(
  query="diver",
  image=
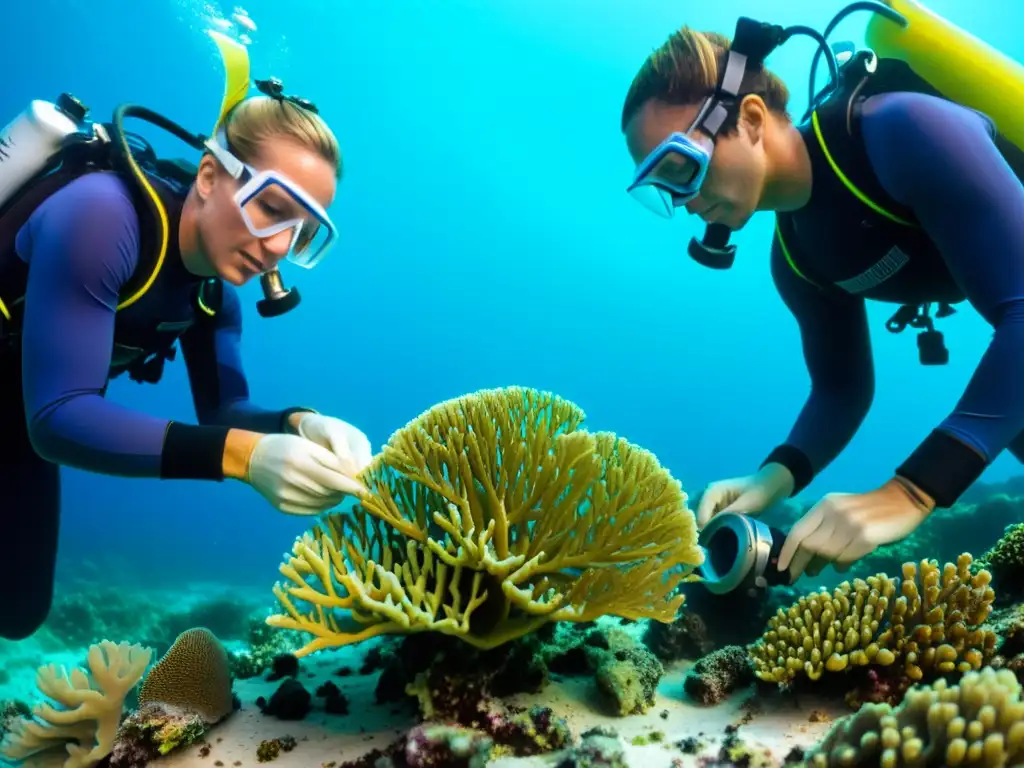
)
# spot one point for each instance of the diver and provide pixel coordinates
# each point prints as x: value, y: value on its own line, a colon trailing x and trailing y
x: 257, y: 196
x: 889, y: 192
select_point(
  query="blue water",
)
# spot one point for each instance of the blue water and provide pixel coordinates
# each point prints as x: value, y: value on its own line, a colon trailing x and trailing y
x: 486, y: 240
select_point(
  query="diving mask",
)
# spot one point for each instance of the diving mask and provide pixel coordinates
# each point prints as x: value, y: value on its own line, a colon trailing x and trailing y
x: 672, y: 174
x: 271, y: 203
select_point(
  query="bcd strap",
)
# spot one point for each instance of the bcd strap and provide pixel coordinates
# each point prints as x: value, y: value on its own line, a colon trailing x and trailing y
x: 207, y: 299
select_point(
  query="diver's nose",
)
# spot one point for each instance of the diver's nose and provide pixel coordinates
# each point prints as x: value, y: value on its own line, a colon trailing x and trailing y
x: 696, y: 206
x: 276, y: 246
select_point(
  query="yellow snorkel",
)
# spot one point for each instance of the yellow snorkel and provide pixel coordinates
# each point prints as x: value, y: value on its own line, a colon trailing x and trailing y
x: 276, y: 298
x: 236, y: 70
x: 236, y: 74
x: 965, y: 69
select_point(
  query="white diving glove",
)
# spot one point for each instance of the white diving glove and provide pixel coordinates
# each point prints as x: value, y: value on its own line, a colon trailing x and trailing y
x: 348, y: 444
x: 747, y: 495
x: 298, y: 476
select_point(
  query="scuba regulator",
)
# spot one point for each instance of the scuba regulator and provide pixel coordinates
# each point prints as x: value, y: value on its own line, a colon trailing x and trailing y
x: 277, y: 299
x: 752, y: 43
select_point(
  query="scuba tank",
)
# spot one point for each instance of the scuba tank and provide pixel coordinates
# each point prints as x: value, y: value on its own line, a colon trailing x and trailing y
x: 30, y: 142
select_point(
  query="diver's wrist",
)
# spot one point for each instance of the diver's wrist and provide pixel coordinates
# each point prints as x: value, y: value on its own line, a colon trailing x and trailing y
x: 777, y: 479
x: 238, y: 450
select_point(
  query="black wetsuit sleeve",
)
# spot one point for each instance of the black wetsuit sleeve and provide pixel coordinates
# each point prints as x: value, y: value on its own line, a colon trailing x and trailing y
x: 82, y: 245
x: 220, y: 390
x: 940, y: 160
x: 837, y: 351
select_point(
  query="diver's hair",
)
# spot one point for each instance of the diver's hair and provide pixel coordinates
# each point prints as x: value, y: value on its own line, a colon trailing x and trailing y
x: 684, y: 71
x: 262, y: 118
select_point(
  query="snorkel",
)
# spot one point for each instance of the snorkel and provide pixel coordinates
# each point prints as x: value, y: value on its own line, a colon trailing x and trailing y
x: 752, y: 43
x: 277, y: 299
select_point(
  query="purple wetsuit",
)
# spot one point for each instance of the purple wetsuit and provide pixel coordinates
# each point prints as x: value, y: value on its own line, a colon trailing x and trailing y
x: 81, y: 245
x: 940, y: 161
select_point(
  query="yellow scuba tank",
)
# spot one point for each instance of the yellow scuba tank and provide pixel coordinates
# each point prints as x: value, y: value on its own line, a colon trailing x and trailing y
x: 965, y: 69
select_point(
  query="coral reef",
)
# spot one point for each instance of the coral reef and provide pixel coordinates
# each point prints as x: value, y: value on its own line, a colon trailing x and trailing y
x: 932, y: 626
x: 1005, y: 561
x: 88, y: 723
x: 626, y: 674
x: 263, y: 644
x: 488, y: 516
x: 153, y: 730
x: 708, y: 621
x: 80, y: 618
x: 718, y: 674
x: 194, y: 676
x: 979, y: 722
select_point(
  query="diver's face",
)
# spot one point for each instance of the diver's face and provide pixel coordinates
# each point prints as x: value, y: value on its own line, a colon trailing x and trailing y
x: 233, y: 252
x: 732, y: 188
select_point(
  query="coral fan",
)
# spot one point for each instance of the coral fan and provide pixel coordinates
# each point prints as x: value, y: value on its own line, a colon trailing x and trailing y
x: 979, y: 722
x: 932, y: 625
x: 88, y: 723
x: 488, y: 516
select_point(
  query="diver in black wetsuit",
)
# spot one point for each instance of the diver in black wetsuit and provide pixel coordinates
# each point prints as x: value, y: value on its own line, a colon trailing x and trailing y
x: 889, y: 193
x: 258, y: 196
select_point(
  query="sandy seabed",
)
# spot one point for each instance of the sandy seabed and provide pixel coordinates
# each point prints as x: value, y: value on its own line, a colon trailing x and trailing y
x: 322, y: 739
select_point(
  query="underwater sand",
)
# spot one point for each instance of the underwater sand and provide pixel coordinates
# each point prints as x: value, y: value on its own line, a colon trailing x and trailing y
x: 322, y: 738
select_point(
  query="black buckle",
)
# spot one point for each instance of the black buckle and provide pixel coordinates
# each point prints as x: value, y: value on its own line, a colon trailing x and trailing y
x: 931, y: 347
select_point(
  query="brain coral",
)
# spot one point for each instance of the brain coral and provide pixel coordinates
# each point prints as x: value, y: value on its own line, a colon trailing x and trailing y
x: 489, y: 515
x: 193, y: 675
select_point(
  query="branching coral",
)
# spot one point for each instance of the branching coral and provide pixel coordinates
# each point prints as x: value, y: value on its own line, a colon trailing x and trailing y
x: 488, y: 516
x: 931, y: 626
x: 979, y: 722
x: 88, y: 722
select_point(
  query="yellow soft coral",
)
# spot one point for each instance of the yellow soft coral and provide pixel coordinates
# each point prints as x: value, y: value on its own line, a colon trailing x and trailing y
x: 932, y: 625
x: 488, y: 516
x: 979, y: 722
x: 87, y: 726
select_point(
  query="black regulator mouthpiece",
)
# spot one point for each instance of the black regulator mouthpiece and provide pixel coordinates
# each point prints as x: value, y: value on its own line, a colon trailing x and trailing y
x: 277, y: 300
x: 740, y: 552
x: 714, y: 250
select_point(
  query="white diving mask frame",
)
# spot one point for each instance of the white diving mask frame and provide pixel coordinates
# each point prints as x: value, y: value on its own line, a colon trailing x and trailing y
x: 312, y: 237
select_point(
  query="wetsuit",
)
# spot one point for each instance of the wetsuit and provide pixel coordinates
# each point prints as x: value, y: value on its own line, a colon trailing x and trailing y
x: 81, y: 245
x: 940, y: 164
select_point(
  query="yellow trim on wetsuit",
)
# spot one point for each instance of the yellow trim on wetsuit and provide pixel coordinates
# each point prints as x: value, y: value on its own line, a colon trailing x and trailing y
x: 785, y: 252
x: 165, y: 228
x: 4, y: 311
x: 846, y: 181
x: 202, y: 304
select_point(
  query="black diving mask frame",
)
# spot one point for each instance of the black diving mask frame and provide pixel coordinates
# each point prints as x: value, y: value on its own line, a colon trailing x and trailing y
x: 752, y: 43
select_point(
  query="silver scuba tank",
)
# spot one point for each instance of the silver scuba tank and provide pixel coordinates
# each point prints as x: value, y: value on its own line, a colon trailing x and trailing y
x: 28, y: 142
